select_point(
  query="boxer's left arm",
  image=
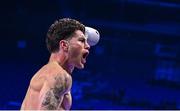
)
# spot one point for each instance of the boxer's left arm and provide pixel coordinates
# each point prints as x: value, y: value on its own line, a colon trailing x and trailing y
x: 52, y: 93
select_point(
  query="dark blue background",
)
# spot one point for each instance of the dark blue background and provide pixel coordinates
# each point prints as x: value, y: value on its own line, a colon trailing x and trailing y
x: 136, y: 64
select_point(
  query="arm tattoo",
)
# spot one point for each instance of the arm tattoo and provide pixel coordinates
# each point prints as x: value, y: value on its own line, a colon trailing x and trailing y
x: 52, y: 97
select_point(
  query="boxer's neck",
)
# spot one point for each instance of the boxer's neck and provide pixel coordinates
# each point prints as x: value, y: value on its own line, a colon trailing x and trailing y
x: 62, y: 60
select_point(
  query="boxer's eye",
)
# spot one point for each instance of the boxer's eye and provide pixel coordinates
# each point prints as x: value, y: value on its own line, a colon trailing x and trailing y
x: 82, y: 40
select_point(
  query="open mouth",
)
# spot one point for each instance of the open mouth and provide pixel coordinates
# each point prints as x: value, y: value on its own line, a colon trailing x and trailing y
x: 85, y: 56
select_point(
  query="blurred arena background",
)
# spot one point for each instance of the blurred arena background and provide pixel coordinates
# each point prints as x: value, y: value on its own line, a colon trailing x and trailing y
x: 136, y: 64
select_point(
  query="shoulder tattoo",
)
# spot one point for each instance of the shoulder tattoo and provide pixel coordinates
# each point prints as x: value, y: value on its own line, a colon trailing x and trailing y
x: 53, y: 96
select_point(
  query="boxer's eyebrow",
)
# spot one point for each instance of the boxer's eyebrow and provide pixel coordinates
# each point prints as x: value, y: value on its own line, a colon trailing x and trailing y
x: 82, y: 39
x: 83, y: 36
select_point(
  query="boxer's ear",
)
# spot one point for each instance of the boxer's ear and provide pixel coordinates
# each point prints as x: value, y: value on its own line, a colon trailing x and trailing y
x: 64, y: 45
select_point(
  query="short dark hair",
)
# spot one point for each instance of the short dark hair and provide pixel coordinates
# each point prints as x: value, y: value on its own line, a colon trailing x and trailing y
x: 61, y: 29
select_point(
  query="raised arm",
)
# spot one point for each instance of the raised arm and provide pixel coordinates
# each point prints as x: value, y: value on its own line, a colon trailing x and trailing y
x: 52, y: 93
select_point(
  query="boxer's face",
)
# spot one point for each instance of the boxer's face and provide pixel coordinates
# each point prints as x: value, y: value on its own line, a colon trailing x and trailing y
x: 78, y: 49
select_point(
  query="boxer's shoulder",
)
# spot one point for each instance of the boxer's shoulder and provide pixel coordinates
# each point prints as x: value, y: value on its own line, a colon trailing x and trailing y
x: 53, y: 69
x: 55, y: 73
x: 37, y: 82
x: 51, y: 73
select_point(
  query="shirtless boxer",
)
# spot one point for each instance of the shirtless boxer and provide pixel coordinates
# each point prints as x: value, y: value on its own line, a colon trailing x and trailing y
x: 50, y: 87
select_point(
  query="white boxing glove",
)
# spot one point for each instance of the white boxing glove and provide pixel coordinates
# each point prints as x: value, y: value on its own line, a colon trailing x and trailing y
x: 93, y: 36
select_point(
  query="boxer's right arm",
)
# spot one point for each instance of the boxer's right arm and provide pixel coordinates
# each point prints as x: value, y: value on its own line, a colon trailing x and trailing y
x: 52, y: 93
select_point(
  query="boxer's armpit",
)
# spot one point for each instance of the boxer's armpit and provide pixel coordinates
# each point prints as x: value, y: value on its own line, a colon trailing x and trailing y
x: 53, y: 97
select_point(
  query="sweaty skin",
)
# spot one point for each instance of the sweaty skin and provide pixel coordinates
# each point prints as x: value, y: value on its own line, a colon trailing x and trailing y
x: 49, y: 89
